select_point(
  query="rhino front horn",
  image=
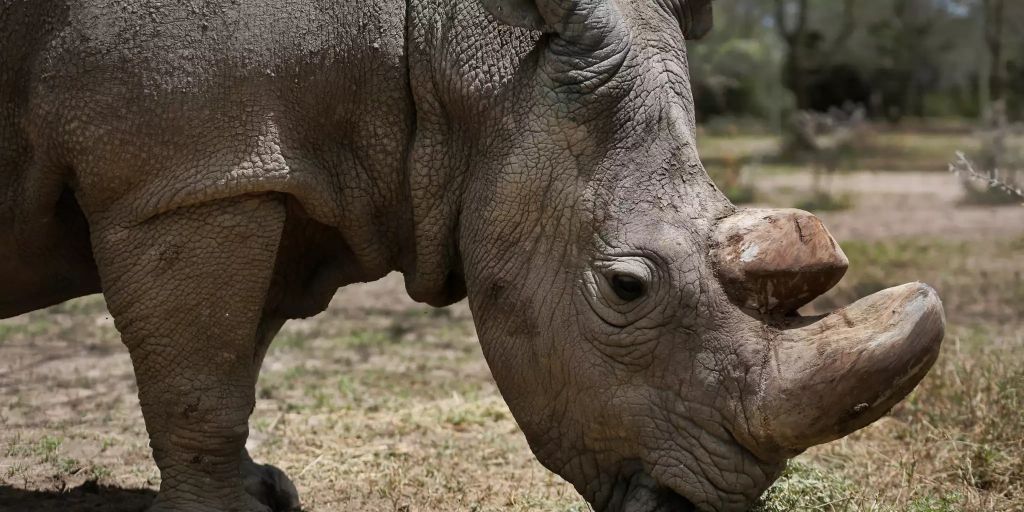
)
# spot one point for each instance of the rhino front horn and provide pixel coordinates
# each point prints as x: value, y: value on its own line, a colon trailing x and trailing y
x: 775, y: 261
x: 831, y: 375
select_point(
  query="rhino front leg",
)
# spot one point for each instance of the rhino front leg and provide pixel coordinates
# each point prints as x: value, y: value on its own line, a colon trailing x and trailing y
x: 187, y: 290
x: 265, y: 482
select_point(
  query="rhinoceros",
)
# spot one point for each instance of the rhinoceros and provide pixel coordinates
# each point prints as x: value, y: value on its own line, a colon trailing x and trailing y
x: 217, y: 167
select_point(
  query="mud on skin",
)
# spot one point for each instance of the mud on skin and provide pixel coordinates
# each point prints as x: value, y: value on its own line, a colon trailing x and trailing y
x: 216, y: 168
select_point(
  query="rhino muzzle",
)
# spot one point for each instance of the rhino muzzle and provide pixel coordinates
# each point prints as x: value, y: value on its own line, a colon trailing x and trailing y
x: 826, y: 376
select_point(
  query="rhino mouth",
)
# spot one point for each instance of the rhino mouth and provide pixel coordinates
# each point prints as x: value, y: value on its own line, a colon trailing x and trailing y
x: 640, y: 492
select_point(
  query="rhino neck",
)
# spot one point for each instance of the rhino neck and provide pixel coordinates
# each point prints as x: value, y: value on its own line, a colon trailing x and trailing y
x: 460, y: 76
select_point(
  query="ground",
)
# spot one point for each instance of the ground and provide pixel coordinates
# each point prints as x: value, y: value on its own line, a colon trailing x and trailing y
x: 384, y: 404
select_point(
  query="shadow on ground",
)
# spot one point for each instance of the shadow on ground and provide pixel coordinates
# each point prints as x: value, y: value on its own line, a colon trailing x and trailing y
x: 88, y: 497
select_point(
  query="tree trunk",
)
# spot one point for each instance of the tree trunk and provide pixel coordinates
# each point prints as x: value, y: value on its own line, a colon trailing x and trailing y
x: 995, y: 10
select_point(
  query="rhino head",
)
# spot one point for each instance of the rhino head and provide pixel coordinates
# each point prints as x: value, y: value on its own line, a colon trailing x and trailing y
x: 639, y: 326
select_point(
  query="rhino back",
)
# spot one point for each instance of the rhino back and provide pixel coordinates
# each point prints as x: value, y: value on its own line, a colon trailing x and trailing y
x: 129, y: 109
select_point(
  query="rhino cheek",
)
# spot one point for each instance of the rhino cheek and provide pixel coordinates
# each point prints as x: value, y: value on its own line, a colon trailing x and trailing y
x: 690, y: 445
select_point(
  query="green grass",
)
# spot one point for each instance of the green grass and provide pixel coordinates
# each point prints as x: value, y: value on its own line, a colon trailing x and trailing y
x: 736, y: 147
x: 883, y: 149
x: 978, y: 280
x: 825, y: 202
x: 805, y: 487
x: 48, y: 447
x: 23, y: 330
x: 889, y: 150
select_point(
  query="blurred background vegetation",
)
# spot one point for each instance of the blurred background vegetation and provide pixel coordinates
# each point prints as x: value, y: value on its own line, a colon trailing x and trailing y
x: 898, y: 59
x: 881, y: 85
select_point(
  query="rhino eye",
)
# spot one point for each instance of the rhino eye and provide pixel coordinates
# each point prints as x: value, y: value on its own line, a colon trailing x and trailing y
x: 620, y: 289
x: 627, y: 287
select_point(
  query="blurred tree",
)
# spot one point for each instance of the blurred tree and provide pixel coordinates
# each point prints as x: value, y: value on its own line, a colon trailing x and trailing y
x: 807, y: 48
x: 993, y: 14
x: 736, y: 70
x: 894, y: 57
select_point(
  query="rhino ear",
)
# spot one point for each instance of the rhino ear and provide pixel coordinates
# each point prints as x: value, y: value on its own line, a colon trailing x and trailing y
x: 518, y: 13
x: 697, y: 18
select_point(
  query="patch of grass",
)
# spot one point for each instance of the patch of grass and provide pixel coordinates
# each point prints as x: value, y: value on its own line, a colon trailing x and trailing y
x: 473, y: 414
x: 15, y: 469
x: 740, y: 194
x: 946, y: 503
x: 68, y: 466
x: 366, y: 338
x: 825, y: 202
x: 100, y: 472
x: 6, y: 331
x: 47, y: 448
x: 884, y: 149
x: 32, y: 328
x: 289, y: 340
x: 913, y: 150
x: 978, y: 279
x: 805, y: 487
x: 737, y: 146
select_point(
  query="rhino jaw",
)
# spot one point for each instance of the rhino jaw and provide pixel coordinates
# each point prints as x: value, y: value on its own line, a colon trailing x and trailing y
x: 830, y: 375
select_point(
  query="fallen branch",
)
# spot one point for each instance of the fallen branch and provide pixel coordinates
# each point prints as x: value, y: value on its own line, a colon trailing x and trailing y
x: 964, y: 167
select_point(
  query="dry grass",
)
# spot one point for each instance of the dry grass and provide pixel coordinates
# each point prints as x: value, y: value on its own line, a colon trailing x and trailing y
x: 383, y: 404
x: 379, y: 404
x: 882, y: 149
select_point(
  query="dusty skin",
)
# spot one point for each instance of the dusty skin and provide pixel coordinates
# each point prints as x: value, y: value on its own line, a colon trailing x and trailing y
x: 219, y: 168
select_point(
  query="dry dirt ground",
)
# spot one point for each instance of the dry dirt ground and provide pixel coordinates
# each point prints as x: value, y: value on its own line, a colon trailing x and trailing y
x: 384, y: 404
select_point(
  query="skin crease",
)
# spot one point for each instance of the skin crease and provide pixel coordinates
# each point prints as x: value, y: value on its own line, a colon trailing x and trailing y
x: 216, y: 168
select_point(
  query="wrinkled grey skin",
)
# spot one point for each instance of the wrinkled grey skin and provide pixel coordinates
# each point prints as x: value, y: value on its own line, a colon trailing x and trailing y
x: 216, y: 168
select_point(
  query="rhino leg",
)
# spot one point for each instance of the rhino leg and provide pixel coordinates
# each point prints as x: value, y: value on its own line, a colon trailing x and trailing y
x: 266, y: 482
x: 187, y: 290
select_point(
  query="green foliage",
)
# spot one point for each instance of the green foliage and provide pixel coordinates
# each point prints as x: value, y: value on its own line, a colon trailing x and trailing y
x: 738, y: 75
x: 48, y: 447
x: 805, y: 487
x: 913, y: 57
x: 947, y: 503
x: 970, y: 291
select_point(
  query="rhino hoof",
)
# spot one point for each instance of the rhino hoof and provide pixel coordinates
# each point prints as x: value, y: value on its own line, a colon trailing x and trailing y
x: 270, y: 486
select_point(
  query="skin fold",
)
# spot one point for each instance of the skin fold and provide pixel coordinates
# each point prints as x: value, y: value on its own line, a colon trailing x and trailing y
x: 216, y: 168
